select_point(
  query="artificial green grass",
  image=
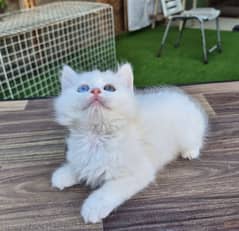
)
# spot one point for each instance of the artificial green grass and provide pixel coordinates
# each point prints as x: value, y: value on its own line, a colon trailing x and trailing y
x: 181, y: 65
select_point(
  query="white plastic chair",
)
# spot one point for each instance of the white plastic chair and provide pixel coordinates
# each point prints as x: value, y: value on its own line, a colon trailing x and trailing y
x: 173, y: 10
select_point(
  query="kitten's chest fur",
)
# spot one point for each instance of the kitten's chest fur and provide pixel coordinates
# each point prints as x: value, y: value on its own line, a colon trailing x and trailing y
x: 94, y: 153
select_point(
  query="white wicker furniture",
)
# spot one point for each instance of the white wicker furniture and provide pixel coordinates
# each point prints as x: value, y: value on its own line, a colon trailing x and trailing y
x: 173, y: 10
x: 35, y: 43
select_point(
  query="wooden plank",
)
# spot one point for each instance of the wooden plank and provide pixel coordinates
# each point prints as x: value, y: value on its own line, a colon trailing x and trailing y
x: 212, y: 88
x: 194, y: 195
x: 187, y: 195
x: 6, y: 106
x: 226, y: 103
x: 206, y: 105
x: 30, y: 150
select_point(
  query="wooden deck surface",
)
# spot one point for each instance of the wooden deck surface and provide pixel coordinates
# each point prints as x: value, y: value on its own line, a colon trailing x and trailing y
x: 187, y: 196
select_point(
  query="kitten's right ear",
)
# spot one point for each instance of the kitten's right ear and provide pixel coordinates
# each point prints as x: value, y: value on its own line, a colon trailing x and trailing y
x: 68, y: 77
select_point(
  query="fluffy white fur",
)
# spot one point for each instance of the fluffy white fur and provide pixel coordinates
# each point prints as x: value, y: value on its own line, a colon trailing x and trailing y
x: 119, y: 143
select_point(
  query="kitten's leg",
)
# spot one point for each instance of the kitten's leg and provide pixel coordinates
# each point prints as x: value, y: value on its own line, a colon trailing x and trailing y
x: 63, y: 177
x: 112, y: 194
x: 191, y: 154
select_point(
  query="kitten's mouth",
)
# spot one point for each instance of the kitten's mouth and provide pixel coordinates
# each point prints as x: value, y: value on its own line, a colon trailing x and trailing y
x: 95, y: 102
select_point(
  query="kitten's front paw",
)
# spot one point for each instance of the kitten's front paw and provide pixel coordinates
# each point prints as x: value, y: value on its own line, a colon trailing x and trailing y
x: 96, y: 207
x: 193, y: 154
x: 63, y: 177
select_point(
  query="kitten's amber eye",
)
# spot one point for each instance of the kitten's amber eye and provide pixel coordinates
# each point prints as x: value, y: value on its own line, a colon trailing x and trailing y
x: 83, y: 88
x: 109, y: 87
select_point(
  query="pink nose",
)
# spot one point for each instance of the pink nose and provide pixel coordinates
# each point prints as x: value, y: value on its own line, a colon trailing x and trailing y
x: 95, y: 91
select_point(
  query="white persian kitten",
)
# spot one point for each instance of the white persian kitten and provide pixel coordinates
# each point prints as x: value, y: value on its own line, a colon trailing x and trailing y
x: 118, y: 140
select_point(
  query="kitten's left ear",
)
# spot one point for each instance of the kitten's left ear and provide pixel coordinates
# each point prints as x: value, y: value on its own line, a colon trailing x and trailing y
x: 125, y: 72
x: 68, y: 77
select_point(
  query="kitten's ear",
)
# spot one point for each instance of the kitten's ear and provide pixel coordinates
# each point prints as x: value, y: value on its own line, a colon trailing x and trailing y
x: 125, y: 72
x: 68, y: 77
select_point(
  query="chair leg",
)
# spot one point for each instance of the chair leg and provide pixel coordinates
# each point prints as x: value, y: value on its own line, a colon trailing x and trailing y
x: 164, y: 38
x: 177, y: 43
x: 219, y: 42
x: 204, y: 45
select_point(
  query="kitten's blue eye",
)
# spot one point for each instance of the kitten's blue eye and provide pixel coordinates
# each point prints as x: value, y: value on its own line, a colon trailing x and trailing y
x: 109, y: 87
x: 83, y: 88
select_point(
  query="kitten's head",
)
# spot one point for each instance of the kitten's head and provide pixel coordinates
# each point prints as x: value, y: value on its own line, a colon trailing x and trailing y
x: 90, y: 95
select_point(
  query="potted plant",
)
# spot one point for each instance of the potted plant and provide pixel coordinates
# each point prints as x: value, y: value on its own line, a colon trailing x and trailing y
x: 2, y: 6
